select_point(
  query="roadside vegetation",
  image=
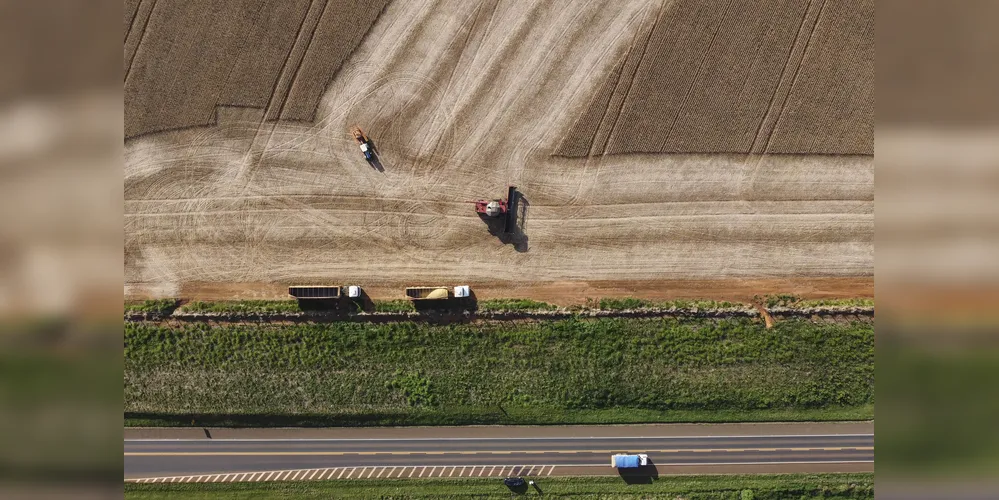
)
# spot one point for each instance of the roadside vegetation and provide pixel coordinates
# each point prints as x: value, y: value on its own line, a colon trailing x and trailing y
x: 394, y: 306
x: 736, y: 487
x: 545, y: 372
x: 495, y: 305
x: 795, y: 302
x: 241, y: 307
x: 166, y: 306
x: 635, y: 303
x: 159, y: 306
x: 235, y: 307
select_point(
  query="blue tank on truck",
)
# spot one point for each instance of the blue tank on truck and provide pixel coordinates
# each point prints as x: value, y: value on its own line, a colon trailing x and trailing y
x: 622, y: 461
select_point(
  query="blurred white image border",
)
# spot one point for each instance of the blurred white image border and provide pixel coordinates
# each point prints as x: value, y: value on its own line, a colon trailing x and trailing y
x: 937, y: 249
x: 61, y: 226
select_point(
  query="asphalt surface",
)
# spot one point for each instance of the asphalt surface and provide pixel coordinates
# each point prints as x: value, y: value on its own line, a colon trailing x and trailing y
x: 145, y: 457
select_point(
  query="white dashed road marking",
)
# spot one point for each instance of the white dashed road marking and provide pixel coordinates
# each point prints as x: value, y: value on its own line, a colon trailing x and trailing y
x: 395, y: 472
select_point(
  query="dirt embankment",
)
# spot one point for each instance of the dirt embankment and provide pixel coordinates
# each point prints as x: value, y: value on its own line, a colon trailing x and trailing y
x: 569, y: 293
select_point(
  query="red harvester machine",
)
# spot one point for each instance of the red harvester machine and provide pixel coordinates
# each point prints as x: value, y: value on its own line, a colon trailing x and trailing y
x: 498, y: 207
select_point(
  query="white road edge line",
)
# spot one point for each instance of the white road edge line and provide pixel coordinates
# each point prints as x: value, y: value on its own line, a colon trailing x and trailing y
x: 444, y: 467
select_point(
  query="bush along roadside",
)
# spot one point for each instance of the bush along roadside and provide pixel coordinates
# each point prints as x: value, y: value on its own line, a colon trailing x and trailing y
x: 151, y: 309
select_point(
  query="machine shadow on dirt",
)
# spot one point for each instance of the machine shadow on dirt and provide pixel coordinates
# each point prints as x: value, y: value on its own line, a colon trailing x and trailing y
x: 512, y: 232
x: 376, y: 159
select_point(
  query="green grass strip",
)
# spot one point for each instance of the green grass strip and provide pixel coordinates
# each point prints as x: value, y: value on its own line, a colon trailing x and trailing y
x: 497, y: 416
x: 795, y: 302
x: 159, y: 306
x: 394, y: 306
x: 566, y: 371
x: 241, y: 307
x: 735, y: 487
x: 635, y: 303
x: 492, y: 305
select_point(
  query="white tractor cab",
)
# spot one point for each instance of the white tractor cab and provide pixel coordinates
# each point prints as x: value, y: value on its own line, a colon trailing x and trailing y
x: 353, y: 291
x: 462, y: 291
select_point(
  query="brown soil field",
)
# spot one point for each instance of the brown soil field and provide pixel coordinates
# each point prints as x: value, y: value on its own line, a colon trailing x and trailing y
x: 183, y: 59
x: 567, y: 293
x: 463, y: 98
x: 744, y: 76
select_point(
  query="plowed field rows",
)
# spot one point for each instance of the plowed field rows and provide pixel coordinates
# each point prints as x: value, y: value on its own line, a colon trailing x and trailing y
x: 831, y: 106
x: 183, y: 59
x: 744, y: 76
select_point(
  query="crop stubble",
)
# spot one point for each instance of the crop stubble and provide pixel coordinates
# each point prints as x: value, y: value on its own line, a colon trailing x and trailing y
x: 183, y: 59
x: 745, y: 76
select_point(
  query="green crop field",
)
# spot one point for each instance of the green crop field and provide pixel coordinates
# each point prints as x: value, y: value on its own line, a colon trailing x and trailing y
x: 567, y: 371
x: 756, y: 487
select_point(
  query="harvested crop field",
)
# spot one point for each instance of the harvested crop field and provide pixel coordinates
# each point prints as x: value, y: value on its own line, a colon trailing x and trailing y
x: 183, y: 59
x: 463, y: 98
x: 745, y: 76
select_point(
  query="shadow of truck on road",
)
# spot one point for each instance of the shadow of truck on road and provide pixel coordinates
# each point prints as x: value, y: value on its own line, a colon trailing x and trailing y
x: 641, y: 475
x: 635, y: 468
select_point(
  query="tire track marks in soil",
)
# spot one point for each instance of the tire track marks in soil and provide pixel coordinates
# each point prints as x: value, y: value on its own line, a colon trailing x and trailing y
x: 312, y: 210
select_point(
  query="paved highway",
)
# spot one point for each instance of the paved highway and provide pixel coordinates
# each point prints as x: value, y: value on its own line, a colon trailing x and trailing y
x: 176, y: 457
